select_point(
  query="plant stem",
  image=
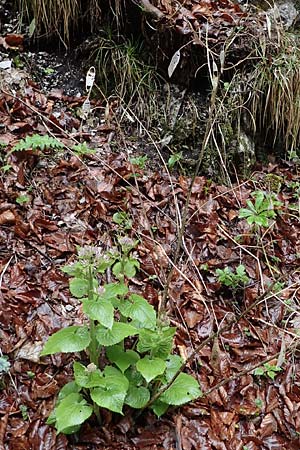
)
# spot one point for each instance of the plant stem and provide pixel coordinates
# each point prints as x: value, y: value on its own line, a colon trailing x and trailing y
x: 93, y: 347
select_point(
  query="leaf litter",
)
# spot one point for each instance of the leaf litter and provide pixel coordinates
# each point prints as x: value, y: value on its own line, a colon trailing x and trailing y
x: 70, y: 203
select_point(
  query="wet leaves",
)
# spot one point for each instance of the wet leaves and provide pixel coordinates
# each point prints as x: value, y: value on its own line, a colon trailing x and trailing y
x: 72, y: 202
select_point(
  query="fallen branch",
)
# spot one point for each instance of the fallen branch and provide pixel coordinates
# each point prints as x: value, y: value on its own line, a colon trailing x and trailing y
x: 148, y: 8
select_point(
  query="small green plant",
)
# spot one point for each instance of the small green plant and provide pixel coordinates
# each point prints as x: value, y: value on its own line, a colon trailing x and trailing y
x: 174, y: 159
x: 268, y: 370
x: 24, y: 411
x: 30, y: 374
x: 261, y: 211
x: 48, y: 71
x: 37, y: 142
x: 233, y: 279
x: 6, y: 168
x: 4, y: 368
x: 22, y: 199
x: 123, y: 220
x: 259, y: 403
x: 137, y: 344
x: 82, y: 149
x: 4, y: 364
x: 139, y: 161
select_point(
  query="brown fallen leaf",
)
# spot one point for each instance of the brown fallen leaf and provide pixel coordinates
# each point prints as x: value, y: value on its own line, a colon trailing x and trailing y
x: 7, y: 218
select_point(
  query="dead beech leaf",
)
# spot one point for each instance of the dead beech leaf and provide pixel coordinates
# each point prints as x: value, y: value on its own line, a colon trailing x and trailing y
x: 191, y: 318
x: 268, y: 425
x: 30, y: 351
x: 7, y: 218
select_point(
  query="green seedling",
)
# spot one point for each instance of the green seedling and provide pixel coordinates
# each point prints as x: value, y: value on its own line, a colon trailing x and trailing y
x: 123, y: 326
x: 4, y: 369
x: 123, y: 220
x: 4, y: 364
x: 6, y: 168
x: 30, y: 374
x: 49, y: 71
x: 267, y: 370
x: 22, y: 199
x: 174, y: 159
x: 261, y: 211
x: 82, y: 149
x: 233, y: 279
x: 24, y: 411
x: 139, y: 161
x: 258, y: 403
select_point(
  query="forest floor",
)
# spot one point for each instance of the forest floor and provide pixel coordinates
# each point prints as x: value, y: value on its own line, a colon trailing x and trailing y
x: 55, y: 200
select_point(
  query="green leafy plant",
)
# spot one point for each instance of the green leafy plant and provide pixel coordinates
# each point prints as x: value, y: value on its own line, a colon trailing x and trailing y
x: 262, y: 210
x: 48, y: 71
x: 4, y: 368
x: 174, y: 159
x: 37, y: 142
x: 24, y: 411
x: 82, y: 149
x: 137, y: 344
x: 259, y: 403
x: 268, y: 370
x: 123, y: 220
x: 4, y: 364
x: 30, y: 374
x: 139, y: 161
x: 22, y: 199
x: 6, y: 168
x: 233, y: 279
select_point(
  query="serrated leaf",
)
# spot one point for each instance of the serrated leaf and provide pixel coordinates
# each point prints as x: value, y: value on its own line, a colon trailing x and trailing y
x: 130, y: 267
x: 79, y: 287
x: 116, y: 334
x: 174, y: 63
x: 75, y: 270
x: 115, y: 376
x: 138, y: 309
x: 113, y: 394
x: 99, y: 309
x: 150, y: 368
x: 122, y: 359
x: 113, y: 290
x: 173, y: 364
x: 67, y: 340
x: 245, y: 213
x: 87, y: 377
x: 127, y: 268
x: 134, y: 377
x: 37, y: 141
x: 71, y: 412
x: 137, y: 397
x: 184, y: 389
x: 159, y: 342
x: 111, y: 398
x: 240, y: 270
x: 67, y: 389
x: 259, y: 199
